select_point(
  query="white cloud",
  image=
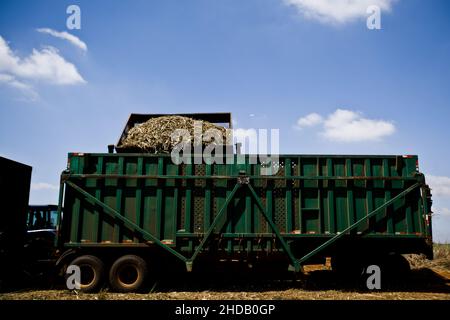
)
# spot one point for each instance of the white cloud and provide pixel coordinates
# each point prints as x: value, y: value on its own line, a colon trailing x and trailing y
x: 440, y: 211
x: 37, y: 186
x: 337, y: 11
x: 310, y: 120
x: 26, y: 89
x: 257, y: 116
x: 347, y: 126
x: 350, y: 126
x: 440, y: 185
x: 41, y: 65
x: 66, y: 36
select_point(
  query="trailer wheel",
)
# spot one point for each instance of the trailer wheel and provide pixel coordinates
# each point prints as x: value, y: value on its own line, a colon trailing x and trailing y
x: 347, y: 267
x: 128, y: 274
x: 397, y: 267
x: 92, y: 272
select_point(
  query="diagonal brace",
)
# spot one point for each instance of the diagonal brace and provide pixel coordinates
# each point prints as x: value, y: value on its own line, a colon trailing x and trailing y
x: 213, y: 225
x: 274, y: 228
x: 356, y: 224
x: 146, y: 235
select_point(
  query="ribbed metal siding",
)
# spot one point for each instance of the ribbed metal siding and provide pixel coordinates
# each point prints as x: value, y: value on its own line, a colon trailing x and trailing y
x: 165, y: 207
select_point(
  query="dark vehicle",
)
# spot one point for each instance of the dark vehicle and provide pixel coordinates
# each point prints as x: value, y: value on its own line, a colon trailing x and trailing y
x: 27, y: 233
x: 15, y: 179
x: 129, y: 216
x: 39, y: 246
x: 42, y: 217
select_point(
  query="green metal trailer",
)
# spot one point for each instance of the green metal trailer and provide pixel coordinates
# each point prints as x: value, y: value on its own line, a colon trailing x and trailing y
x: 132, y: 213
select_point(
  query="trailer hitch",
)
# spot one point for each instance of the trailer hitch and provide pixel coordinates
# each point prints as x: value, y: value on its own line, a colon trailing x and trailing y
x: 243, y: 178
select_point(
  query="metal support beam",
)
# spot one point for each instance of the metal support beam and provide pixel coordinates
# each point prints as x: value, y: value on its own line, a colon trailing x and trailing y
x: 296, y: 263
x: 60, y: 208
x: 233, y: 177
x: 146, y: 235
x: 222, y: 211
x: 287, y: 250
x: 356, y: 224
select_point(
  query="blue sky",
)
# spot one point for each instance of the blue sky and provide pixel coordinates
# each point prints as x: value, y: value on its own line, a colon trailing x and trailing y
x: 272, y: 63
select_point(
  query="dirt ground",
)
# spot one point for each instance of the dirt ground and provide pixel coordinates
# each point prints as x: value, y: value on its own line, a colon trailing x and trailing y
x: 429, y: 280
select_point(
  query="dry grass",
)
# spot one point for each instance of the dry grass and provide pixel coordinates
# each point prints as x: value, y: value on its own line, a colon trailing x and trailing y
x: 290, y: 294
x: 440, y: 262
x: 429, y: 280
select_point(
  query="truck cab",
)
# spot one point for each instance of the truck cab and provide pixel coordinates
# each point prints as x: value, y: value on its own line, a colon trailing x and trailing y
x: 39, y: 246
x: 42, y: 217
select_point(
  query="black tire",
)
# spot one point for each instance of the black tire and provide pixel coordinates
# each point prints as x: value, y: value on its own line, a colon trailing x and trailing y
x: 92, y: 272
x: 128, y: 274
x: 348, y: 268
x: 394, y: 268
x: 397, y: 268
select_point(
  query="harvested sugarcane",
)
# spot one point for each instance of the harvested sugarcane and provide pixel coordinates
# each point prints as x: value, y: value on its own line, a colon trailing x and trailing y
x: 156, y: 134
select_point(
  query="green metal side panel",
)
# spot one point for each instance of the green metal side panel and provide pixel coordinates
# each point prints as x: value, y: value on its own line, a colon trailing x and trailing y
x: 310, y: 196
